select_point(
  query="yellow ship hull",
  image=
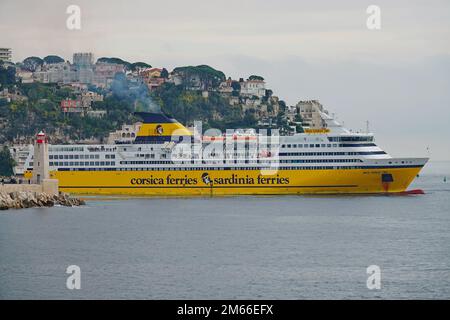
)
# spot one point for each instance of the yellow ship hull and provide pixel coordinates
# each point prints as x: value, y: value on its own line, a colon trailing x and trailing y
x: 235, y: 182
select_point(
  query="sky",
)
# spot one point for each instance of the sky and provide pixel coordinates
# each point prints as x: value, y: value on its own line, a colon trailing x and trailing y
x: 397, y: 77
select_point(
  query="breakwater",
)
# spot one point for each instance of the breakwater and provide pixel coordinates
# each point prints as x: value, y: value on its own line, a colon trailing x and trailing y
x: 30, y: 196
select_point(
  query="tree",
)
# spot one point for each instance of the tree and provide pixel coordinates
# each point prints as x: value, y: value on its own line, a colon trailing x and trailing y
x: 136, y: 65
x: 164, y: 73
x: 7, y: 76
x: 115, y: 61
x: 282, y: 105
x: 236, y: 86
x: 254, y: 77
x: 208, y: 77
x: 32, y: 63
x: 249, y: 118
x: 53, y: 59
x: 6, y: 162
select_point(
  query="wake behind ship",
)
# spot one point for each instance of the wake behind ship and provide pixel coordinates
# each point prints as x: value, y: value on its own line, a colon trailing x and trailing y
x: 167, y: 159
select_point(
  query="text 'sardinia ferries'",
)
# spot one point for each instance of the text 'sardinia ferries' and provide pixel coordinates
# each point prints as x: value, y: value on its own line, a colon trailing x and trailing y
x: 166, y: 158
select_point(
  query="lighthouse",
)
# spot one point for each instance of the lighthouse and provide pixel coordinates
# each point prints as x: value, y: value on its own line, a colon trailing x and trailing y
x: 40, y: 160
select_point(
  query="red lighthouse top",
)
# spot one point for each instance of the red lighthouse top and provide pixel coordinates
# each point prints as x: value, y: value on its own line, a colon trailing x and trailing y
x: 41, y: 137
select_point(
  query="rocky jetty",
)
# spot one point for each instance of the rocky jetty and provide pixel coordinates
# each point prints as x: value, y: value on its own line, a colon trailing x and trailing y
x: 26, y: 199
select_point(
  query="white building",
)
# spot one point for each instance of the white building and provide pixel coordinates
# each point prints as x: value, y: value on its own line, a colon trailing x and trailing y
x: 20, y: 153
x: 61, y: 72
x: 104, y: 73
x: 253, y: 88
x: 25, y: 76
x: 310, y: 111
x: 83, y: 59
x: 85, y: 75
x: 92, y: 96
x: 5, y: 54
x: 83, y: 63
x: 96, y: 113
x: 225, y: 87
x: 126, y: 134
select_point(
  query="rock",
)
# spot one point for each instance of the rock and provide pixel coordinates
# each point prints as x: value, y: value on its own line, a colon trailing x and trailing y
x: 64, y: 200
x: 20, y: 199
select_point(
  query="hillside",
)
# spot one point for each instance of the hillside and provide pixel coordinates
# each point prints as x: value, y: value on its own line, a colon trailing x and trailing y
x: 187, y: 93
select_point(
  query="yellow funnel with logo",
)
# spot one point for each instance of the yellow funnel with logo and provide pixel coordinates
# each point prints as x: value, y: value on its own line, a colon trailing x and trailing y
x: 158, y: 127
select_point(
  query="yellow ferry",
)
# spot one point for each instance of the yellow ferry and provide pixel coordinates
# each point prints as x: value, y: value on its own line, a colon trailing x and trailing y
x: 167, y: 159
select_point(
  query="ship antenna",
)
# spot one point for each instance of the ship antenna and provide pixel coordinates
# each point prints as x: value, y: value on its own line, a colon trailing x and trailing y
x: 367, y: 126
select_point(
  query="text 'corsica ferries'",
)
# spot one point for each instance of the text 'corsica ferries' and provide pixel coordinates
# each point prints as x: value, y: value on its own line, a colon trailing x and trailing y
x: 166, y: 158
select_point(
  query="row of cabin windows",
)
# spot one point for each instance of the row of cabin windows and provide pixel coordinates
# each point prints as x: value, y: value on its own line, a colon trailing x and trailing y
x: 350, y: 139
x: 145, y: 162
x: 245, y: 161
x: 138, y: 149
x: 194, y: 162
x: 225, y: 155
x: 66, y: 149
x: 320, y: 161
x: 74, y: 156
x: 331, y: 153
x: 146, y: 155
x: 213, y: 168
x: 101, y: 149
x: 237, y: 155
x: 311, y: 145
x: 150, y: 155
x: 82, y: 164
x: 79, y: 156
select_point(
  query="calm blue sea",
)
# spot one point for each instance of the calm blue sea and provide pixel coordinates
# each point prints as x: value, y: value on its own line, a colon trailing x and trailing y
x: 277, y: 247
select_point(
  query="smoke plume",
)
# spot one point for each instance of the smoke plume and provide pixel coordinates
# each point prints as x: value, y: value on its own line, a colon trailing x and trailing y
x: 136, y: 92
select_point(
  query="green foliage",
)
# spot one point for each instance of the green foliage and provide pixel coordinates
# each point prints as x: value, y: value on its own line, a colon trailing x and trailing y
x: 282, y: 105
x: 7, y: 76
x: 38, y: 91
x: 254, y: 77
x: 209, y: 77
x: 42, y: 111
x: 236, y: 86
x: 53, y: 59
x: 164, y: 73
x: 128, y: 65
x: 115, y: 60
x: 6, y: 162
x: 119, y: 111
x: 32, y: 63
x: 188, y: 106
x: 136, y: 65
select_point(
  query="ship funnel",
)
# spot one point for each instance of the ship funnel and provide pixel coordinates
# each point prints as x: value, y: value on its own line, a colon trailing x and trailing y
x: 158, y: 127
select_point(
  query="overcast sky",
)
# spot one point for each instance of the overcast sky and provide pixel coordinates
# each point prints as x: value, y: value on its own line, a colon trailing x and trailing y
x: 397, y: 77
